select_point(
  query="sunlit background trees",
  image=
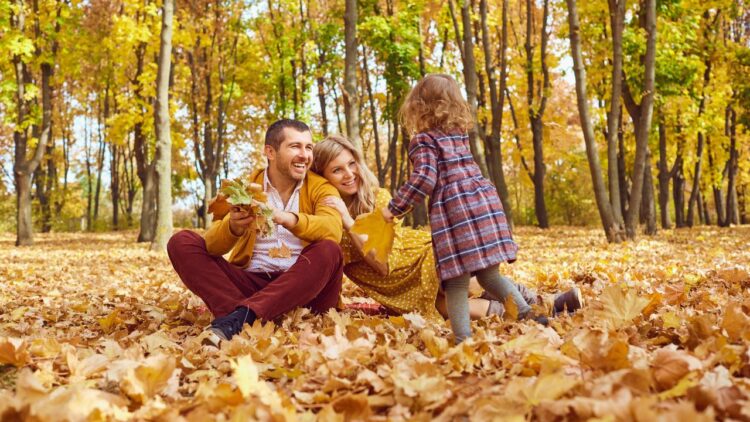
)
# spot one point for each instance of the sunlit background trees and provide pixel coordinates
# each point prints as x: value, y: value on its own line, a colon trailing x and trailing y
x: 666, y: 86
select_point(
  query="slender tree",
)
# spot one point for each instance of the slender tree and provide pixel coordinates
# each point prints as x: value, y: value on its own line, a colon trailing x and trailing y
x: 612, y: 229
x: 351, y: 96
x: 163, y: 139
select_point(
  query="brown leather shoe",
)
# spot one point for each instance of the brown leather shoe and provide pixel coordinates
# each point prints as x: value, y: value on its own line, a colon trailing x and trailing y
x: 569, y: 301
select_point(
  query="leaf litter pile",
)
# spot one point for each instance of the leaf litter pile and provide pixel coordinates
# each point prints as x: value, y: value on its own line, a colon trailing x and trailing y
x: 96, y: 327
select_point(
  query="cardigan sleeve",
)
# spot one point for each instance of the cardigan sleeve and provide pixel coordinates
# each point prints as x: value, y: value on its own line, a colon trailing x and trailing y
x: 324, y: 222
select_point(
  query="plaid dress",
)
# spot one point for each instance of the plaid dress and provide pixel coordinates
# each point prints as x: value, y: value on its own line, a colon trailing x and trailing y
x: 469, y: 228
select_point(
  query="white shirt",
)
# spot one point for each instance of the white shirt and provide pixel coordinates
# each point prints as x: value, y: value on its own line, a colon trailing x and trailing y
x: 260, y: 261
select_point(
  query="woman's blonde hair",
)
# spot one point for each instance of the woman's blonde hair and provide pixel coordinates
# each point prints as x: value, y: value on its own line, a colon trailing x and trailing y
x: 436, y: 103
x: 327, y: 150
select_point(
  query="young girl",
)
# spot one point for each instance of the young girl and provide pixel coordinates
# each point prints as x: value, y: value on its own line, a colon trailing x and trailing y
x: 408, y: 282
x: 470, y: 235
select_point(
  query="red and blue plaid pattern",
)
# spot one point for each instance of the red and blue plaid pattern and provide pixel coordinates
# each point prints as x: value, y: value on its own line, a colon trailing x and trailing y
x: 469, y: 228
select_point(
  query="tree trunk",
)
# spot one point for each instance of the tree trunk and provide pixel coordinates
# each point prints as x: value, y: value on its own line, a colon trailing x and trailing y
x: 703, y: 210
x: 715, y: 185
x: 536, y: 111
x: 612, y: 230
x: 163, y: 158
x: 44, y: 176
x: 374, y: 117
x: 742, y: 206
x: 648, y: 208
x: 732, y: 216
x: 696, y: 181
x: 678, y: 192
x: 23, y: 166
x: 470, y: 80
x: 622, y: 176
x: 664, y: 176
x: 23, y: 210
x: 699, y: 154
x: 641, y: 115
x: 351, y: 97
x: 617, y: 22
x: 320, y: 80
x: 101, y: 130
x: 540, y: 170
x: 114, y: 174
x: 492, y: 142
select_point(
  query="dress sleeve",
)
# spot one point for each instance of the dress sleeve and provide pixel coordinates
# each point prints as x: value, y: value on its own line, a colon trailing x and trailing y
x: 423, y: 156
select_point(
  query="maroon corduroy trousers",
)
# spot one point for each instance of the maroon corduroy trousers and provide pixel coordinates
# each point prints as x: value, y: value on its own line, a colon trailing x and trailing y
x: 314, y: 281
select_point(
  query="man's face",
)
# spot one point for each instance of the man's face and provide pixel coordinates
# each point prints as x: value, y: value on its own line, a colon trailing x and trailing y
x: 294, y: 156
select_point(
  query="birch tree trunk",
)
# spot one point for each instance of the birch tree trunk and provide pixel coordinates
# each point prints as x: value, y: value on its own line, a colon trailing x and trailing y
x: 163, y: 156
x: 351, y: 98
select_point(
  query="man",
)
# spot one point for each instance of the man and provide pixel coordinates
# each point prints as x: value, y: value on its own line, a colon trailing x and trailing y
x: 255, y: 283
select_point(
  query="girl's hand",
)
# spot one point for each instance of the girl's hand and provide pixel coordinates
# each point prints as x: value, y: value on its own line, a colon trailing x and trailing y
x: 339, y: 205
x: 387, y: 215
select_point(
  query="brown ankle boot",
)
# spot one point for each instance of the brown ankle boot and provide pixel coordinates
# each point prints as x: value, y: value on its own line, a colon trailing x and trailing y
x: 572, y: 300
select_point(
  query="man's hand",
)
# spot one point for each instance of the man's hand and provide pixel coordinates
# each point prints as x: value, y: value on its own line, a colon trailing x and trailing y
x: 284, y: 219
x: 339, y: 205
x: 387, y: 215
x: 239, y: 220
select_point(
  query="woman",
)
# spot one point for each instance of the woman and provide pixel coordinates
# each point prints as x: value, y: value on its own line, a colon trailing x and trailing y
x: 409, y: 281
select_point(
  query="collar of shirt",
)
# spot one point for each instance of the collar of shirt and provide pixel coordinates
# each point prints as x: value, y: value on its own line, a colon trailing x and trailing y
x: 268, y: 187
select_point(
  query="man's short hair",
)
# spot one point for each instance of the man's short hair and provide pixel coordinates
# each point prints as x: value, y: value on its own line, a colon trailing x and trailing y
x: 275, y: 132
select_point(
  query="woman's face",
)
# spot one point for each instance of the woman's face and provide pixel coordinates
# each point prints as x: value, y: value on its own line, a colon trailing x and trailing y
x: 343, y: 173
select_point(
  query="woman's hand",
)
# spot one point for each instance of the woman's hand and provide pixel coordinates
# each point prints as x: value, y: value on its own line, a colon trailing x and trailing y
x: 339, y: 205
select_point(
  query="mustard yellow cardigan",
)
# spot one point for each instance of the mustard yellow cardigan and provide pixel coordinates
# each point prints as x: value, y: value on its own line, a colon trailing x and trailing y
x: 316, y: 222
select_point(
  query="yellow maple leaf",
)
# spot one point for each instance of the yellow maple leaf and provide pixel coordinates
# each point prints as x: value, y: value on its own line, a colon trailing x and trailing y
x: 545, y: 387
x: 148, y: 378
x: 378, y: 232
x: 618, y: 309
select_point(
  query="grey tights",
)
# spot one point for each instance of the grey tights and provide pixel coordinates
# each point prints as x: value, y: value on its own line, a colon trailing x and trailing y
x: 457, y: 297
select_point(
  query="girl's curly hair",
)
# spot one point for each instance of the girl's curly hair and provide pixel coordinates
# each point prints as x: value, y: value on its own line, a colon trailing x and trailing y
x: 436, y: 103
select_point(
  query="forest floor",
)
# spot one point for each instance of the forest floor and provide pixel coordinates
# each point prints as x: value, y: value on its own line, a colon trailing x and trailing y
x: 96, y: 326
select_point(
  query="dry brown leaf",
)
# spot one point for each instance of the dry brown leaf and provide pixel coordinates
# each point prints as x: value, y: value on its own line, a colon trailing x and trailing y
x: 671, y: 365
x: 282, y: 251
x: 735, y: 322
x: 13, y: 351
x: 82, y: 330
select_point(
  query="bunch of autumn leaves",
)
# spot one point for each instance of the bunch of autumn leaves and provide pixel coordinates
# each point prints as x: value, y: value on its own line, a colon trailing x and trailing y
x: 377, y: 234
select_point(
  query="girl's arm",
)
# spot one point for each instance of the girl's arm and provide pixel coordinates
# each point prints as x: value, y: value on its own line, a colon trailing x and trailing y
x: 358, y: 242
x: 423, y: 156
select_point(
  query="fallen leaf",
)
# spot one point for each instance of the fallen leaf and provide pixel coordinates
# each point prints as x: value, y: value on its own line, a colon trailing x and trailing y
x: 14, y: 351
x: 379, y: 234
x: 617, y: 309
x: 148, y: 378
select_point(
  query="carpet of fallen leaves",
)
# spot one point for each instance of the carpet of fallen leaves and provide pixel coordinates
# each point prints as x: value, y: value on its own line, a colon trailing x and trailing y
x: 95, y: 326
